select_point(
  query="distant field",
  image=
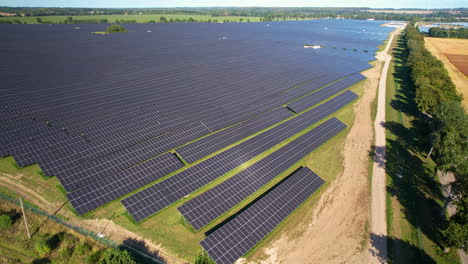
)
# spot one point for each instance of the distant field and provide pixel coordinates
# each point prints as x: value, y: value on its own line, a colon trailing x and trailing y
x: 399, y: 11
x: 454, y: 54
x: 137, y: 18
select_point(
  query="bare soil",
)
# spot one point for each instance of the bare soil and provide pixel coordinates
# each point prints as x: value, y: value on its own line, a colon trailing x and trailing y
x: 460, y: 61
x: 454, y: 54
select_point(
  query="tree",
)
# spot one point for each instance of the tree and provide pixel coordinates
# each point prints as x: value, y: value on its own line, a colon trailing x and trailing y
x: 5, y: 221
x: 115, y: 29
x: 42, y: 247
x: 457, y: 230
x: 39, y: 20
x: 115, y: 256
x: 451, y: 137
x: 69, y: 20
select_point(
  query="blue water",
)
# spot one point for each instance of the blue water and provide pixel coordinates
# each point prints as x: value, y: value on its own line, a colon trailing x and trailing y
x: 426, y: 29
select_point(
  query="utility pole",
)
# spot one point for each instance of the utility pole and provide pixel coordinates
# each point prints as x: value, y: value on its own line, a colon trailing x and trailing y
x: 25, y: 220
x: 99, y: 234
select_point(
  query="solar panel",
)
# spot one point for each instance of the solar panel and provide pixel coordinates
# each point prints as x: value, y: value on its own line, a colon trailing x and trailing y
x: 224, y: 138
x: 238, y: 236
x: 156, y: 197
x: 314, y: 98
x: 211, y: 204
x: 102, y: 192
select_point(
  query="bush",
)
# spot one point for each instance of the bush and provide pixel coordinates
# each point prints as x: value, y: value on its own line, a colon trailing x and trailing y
x: 204, y: 258
x: 115, y: 28
x: 66, y: 252
x: 5, y: 221
x: 83, y: 249
x: 115, y: 256
x: 94, y: 258
x: 42, y: 247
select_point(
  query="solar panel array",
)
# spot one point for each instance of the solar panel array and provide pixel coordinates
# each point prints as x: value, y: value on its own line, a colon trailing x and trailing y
x: 97, y: 111
x: 313, y: 99
x: 156, y: 197
x: 238, y: 236
x: 211, y: 204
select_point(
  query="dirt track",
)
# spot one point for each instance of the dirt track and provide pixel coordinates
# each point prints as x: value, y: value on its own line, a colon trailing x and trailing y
x: 378, y: 248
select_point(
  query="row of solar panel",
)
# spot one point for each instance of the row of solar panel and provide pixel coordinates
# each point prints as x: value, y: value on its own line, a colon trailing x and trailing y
x: 119, y: 184
x: 162, y: 194
x: 239, y: 235
x: 212, y: 204
x: 208, y: 145
x: 54, y: 155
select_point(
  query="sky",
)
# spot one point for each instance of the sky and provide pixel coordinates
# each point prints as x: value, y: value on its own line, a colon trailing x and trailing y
x: 239, y: 3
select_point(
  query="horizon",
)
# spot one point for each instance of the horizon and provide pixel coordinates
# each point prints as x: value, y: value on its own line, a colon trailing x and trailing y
x: 118, y: 4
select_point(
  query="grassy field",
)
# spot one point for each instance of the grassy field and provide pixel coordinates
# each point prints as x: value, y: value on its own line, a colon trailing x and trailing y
x: 414, y: 199
x: 65, y: 245
x: 138, y: 18
x: 454, y: 54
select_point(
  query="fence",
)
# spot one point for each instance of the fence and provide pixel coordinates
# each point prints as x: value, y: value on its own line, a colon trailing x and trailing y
x: 82, y: 231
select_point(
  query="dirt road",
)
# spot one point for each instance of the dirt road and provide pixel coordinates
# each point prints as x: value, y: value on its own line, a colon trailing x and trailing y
x: 378, y: 247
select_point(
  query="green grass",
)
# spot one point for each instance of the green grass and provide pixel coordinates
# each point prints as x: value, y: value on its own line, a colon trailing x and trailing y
x: 414, y: 199
x: 138, y: 18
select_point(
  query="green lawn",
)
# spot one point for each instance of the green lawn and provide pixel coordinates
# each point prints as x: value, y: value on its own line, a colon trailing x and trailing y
x: 138, y: 18
x: 414, y: 197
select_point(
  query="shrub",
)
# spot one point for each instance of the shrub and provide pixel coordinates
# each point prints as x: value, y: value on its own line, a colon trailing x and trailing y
x: 5, y: 221
x: 94, y: 258
x: 42, y: 247
x: 83, y: 249
x: 204, y: 258
x: 115, y: 28
x: 115, y: 256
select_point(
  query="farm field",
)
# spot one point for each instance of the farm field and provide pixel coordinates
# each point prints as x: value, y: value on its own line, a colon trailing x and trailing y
x: 454, y: 54
x: 144, y: 18
x: 152, y: 136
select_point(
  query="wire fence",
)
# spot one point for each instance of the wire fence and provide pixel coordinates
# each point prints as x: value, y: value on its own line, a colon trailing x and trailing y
x: 106, y: 241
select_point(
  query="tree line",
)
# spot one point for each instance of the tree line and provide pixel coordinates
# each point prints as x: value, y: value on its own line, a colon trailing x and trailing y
x: 438, y: 99
x: 90, y: 20
x: 267, y: 13
x: 438, y: 32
